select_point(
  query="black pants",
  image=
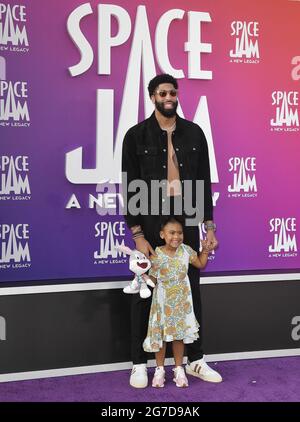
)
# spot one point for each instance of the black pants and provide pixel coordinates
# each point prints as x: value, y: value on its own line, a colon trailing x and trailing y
x: 140, y: 308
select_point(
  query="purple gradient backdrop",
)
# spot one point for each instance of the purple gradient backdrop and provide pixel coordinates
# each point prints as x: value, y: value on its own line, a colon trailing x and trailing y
x: 63, y: 117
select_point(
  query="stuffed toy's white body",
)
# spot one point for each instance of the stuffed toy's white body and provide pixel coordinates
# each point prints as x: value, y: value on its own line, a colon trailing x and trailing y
x: 139, y: 264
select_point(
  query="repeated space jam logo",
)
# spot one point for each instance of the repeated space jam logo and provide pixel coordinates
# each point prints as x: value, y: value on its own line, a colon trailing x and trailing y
x: 285, y: 106
x: 284, y: 240
x: 13, y: 27
x: 246, y: 42
x: 244, y: 180
x: 14, y: 243
x: 109, y: 235
x: 14, y: 181
x: 13, y: 104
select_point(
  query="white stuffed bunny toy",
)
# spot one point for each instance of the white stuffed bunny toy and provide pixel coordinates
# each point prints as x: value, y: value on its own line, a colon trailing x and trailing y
x: 139, y: 264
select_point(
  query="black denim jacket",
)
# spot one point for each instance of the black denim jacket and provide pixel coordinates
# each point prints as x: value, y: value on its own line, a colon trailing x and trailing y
x: 145, y: 157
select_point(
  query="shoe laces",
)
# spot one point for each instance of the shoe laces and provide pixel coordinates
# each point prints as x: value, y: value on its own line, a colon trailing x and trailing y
x: 204, y: 366
x: 159, y: 373
x: 139, y: 368
x: 180, y: 377
x: 179, y: 372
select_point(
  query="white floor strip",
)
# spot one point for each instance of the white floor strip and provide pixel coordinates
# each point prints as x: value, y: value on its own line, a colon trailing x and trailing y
x: 6, y: 291
x: 81, y: 370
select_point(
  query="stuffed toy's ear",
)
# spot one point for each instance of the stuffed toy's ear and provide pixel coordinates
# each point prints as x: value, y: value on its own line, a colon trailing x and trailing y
x: 124, y: 249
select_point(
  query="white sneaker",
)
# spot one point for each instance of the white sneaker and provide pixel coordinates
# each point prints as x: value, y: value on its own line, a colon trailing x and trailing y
x: 179, y: 377
x: 159, y: 377
x: 200, y: 369
x: 139, y: 376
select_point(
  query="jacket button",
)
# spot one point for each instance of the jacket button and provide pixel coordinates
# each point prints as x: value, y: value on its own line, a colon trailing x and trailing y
x: 164, y: 166
x: 164, y: 150
x: 180, y: 164
x: 194, y: 149
x: 177, y: 149
x: 146, y: 151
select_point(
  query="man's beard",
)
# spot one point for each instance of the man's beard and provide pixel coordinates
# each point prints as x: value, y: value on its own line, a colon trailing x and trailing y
x: 169, y: 112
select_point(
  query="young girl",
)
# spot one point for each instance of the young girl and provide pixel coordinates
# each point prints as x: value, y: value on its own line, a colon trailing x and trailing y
x: 172, y: 316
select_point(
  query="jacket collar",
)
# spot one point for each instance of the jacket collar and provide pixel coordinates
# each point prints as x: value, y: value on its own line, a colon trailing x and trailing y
x: 154, y: 125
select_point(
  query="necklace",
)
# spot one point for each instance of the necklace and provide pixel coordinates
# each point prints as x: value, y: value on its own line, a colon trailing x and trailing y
x: 170, y: 128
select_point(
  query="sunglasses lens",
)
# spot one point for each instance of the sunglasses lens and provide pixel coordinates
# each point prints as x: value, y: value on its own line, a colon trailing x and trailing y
x: 163, y: 94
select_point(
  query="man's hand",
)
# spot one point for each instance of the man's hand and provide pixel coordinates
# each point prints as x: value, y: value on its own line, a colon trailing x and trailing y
x: 205, y: 246
x: 142, y: 245
x: 212, y: 242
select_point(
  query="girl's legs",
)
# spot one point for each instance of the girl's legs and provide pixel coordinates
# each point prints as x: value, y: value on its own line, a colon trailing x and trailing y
x: 178, y: 351
x: 160, y: 356
x: 179, y: 374
x: 159, y: 375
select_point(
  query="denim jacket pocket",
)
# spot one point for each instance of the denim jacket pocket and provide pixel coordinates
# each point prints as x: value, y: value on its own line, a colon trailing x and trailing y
x: 148, y: 158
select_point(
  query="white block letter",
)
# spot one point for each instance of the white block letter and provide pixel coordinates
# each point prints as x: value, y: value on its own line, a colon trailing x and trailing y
x: 195, y: 47
x: 105, y: 40
x: 161, y: 42
x: 86, y: 51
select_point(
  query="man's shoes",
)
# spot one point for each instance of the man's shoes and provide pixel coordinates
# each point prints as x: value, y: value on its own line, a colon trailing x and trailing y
x: 139, y: 376
x: 200, y: 369
x: 179, y: 377
x: 159, y: 377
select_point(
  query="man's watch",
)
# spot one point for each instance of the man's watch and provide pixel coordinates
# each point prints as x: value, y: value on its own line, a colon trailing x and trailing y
x: 210, y: 226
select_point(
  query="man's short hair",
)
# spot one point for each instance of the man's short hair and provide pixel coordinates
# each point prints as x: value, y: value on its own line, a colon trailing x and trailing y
x: 164, y: 78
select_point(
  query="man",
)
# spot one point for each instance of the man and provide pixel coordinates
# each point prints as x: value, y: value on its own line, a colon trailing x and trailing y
x: 171, y: 150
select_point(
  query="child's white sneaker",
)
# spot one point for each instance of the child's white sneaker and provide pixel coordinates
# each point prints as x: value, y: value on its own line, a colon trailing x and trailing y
x: 159, y: 377
x: 139, y: 376
x: 179, y: 377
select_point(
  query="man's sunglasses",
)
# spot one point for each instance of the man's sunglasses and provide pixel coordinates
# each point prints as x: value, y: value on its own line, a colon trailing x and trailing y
x: 163, y: 93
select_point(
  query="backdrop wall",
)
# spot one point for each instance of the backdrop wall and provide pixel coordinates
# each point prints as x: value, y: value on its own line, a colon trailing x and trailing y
x: 73, y: 80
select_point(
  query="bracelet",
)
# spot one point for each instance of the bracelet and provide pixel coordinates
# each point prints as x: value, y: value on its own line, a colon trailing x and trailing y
x: 205, y: 252
x: 138, y: 234
x: 138, y: 237
x: 210, y: 226
x: 136, y: 229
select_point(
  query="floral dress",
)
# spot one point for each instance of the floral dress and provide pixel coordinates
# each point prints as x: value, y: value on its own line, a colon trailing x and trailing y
x: 172, y: 315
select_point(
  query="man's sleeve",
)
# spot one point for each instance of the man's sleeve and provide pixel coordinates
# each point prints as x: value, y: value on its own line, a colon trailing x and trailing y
x: 204, y: 174
x: 130, y: 172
